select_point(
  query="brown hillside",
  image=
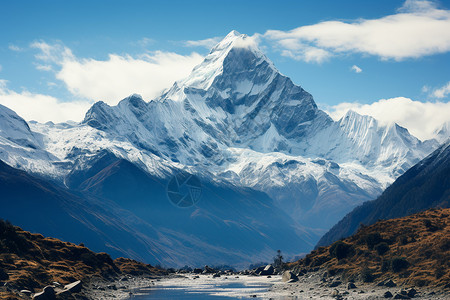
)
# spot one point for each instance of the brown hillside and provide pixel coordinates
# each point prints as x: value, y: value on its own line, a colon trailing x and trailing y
x: 413, y: 250
x: 32, y: 261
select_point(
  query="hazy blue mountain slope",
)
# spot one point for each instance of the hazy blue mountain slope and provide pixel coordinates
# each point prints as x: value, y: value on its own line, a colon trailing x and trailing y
x: 241, y: 220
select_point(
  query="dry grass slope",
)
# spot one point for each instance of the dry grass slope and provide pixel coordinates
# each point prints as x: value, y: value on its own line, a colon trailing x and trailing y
x: 413, y: 251
x: 32, y: 261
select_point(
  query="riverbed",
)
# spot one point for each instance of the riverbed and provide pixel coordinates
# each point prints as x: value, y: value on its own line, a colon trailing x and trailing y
x: 206, y: 287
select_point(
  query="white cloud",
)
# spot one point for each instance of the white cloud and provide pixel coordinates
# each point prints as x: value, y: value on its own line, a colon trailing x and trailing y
x: 41, y: 107
x: 207, y: 43
x: 308, y: 54
x: 15, y: 48
x: 44, y: 67
x: 420, y: 118
x: 418, y: 29
x: 145, y: 41
x: 442, y: 92
x: 356, y: 69
x: 417, y: 6
x: 118, y: 76
x: 55, y: 53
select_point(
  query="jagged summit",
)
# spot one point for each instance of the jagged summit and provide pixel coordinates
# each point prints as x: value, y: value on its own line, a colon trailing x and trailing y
x: 236, y: 53
x: 236, y: 40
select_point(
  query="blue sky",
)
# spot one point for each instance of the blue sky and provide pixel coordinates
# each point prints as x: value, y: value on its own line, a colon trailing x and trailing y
x: 56, y: 55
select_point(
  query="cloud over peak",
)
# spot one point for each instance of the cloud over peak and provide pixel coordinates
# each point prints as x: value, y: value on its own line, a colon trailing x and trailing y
x: 42, y: 108
x: 418, y: 29
x: 118, y: 76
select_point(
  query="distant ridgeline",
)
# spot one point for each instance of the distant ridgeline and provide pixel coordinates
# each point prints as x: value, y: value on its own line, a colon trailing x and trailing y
x: 425, y: 185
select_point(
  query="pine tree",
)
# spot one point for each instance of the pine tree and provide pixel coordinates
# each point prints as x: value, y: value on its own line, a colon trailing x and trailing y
x: 278, y: 260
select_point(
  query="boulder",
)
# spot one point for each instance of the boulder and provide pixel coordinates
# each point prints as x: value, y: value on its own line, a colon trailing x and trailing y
x: 411, y: 292
x: 268, y: 270
x: 387, y: 294
x: 208, y: 270
x: 74, y: 287
x: 390, y: 283
x: 288, y: 276
x: 301, y: 273
x: 335, y: 283
x: 401, y: 296
x: 335, y: 293
x: 47, y: 294
x: 26, y: 292
x: 351, y: 285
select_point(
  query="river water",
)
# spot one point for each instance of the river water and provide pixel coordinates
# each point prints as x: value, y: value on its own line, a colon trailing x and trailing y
x: 206, y: 287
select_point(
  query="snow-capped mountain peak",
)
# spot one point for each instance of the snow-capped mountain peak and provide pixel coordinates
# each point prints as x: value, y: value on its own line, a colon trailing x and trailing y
x: 237, y: 120
x: 231, y: 39
x: 234, y: 54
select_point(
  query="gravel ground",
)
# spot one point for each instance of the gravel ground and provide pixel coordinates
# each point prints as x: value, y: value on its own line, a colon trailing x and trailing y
x: 310, y: 286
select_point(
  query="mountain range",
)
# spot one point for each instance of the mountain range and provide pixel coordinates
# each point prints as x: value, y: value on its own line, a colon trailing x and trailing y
x: 276, y: 171
x: 426, y: 185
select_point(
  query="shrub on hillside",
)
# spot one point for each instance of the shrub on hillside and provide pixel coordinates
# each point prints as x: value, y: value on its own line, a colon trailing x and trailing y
x: 10, y: 240
x: 398, y: 264
x: 371, y: 240
x: 90, y: 259
x: 341, y: 250
x: 445, y: 245
x: 367, y: 275
x: 429, y: 225
x: 3, y: 275
x: 439, y: 272
x: 382, y: 248
x: 385, y: 265
x: 403, y: 240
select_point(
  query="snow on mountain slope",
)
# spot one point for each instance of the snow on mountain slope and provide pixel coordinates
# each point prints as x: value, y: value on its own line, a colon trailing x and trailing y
x: 361, y: 139
x: 236, y: 120
x: 21, y: 147
x: 443, y: 133
x: 73, y: 146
